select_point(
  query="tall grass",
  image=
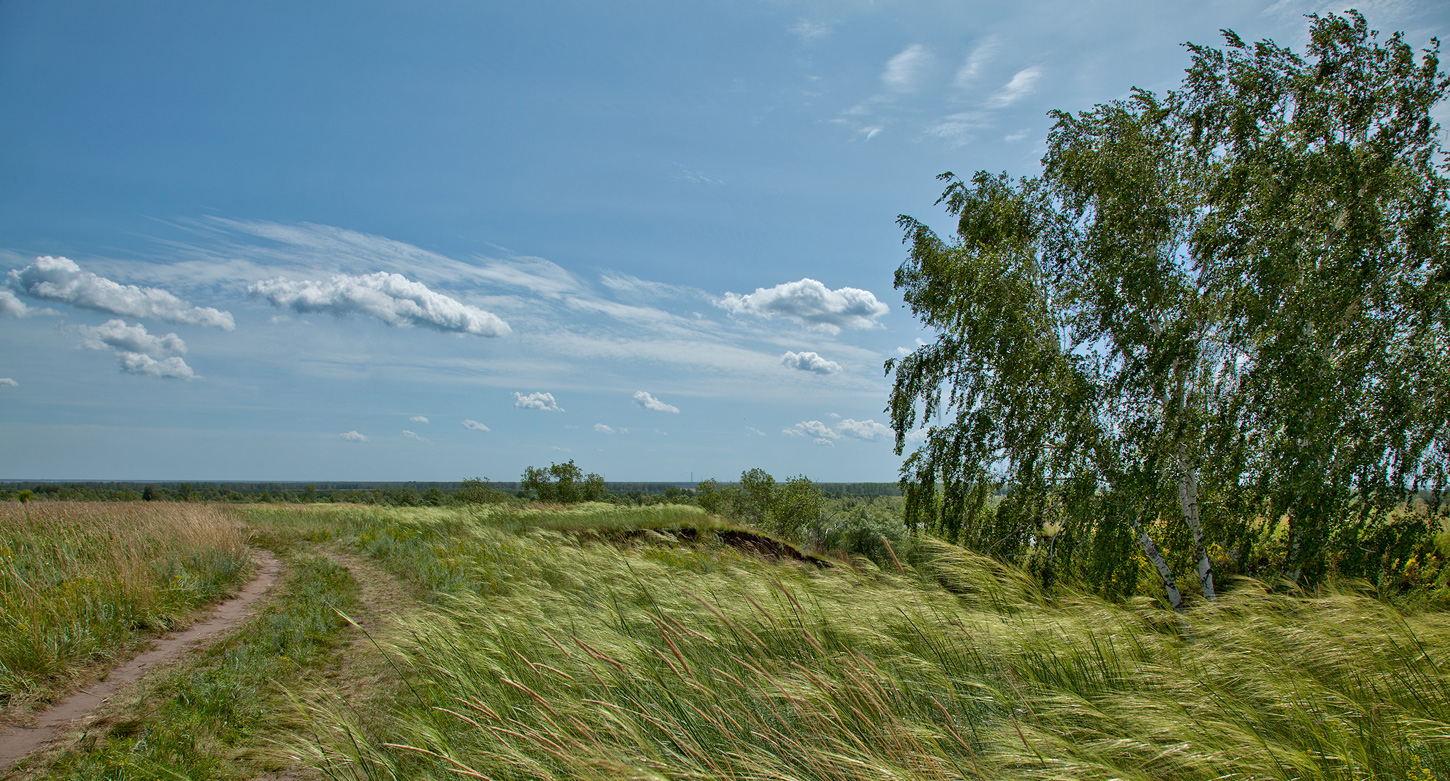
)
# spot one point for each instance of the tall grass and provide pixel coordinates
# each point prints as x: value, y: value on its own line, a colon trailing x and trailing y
x: 546, y: 658
x: 79, y: 582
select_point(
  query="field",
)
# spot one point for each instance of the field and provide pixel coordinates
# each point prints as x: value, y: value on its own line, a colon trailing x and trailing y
x: 603, y: 642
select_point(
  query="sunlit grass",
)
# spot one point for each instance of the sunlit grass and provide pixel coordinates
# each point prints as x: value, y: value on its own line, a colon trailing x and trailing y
x: 79, y: 582
x: 547, y: 657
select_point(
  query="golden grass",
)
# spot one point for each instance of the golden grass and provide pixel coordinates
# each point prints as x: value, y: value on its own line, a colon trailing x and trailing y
x: 81, y: 582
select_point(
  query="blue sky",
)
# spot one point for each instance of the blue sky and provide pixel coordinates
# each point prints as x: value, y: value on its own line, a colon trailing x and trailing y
x: 438, y: 240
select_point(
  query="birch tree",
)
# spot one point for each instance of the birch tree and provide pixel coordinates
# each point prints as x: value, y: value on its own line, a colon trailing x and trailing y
x: 1160, y: 317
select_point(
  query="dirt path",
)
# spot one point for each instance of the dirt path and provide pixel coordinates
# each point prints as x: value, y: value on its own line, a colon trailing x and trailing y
x: 18, y: 742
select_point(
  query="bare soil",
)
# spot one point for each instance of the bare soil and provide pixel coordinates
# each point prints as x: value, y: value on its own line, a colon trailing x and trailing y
x: 18, y: 742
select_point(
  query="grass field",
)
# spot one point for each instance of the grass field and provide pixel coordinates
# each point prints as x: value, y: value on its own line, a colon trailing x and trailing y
x: 605, y: 643
x: 81, y: 583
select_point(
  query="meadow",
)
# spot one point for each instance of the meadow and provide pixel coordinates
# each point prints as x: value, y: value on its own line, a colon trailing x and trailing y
x: 599, y: 641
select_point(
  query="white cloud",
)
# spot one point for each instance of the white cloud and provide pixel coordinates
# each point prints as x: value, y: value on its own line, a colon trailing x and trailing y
x: 1022, y: 84
x: 810, y: 362
x: 868, y: 430
x: 138, y: 352
x: 811, y: 428
x: 473, y: 425
x: 116, y: 335
x: 170, y: 368
x: 353, y: 436
x: 539, y: 401
x: 958, y: 129
x: 904, y: 71
x: 810, y: 31
x: 558, y: 449
x: 391, y: 298
x: 972, y: 67
x: 810, y: 303
x: 755, y: 431
x: 411, y: 435
x: 62, y: 281
x: 11, y: 306
x: 6, y: 382
x: 646, y: 401
x: 603, y: 429
x: 419, y: 419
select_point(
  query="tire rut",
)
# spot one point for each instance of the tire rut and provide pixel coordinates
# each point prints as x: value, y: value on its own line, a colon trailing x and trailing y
x: 16, y: 743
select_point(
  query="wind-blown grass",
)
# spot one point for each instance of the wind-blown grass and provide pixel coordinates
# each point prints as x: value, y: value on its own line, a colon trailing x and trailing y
x: 544, y: 657
x: 80, y: 582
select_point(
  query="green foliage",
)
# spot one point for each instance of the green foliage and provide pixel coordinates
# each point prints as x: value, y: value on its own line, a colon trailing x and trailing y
x: 25, y: 496
x: 1213, y: 310
x: 563, y: 484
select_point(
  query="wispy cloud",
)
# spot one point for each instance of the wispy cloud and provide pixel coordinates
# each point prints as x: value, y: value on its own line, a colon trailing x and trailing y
x: 539, y: 401
x: 756, y: 431
x: 6, y: 382
x: 971, y: 69
x: 61, y: 281
x: 138, y: 352
x: 473, y: 425
x: 603, y: 429
x: 810, y: 31
x: 904, y: 72
x: 391, y: 298
x: 1022, y: 83
x: 411, y: 435
x: 353, y: 436
x: 419, y: 419
x: 810, y: 303
x: 646, y: 401
x: 810, y: 362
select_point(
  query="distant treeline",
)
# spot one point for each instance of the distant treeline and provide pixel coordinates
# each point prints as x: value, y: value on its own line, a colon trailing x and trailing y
x: 405, y: 494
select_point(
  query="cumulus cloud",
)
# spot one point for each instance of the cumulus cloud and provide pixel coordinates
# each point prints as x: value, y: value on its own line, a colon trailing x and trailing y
x: 138, y: 352
x: 170, y: 368
x: 116, y: 335
x: 1022, y: 84
x: 646, y: 401
x: 868, y: 430
x: 539, y: 401
x: 473, y: 425
x: 810, y: 362
x: 6, y: 382
x: 391, y: 298
x: 411, y: 435
x: 353, y: 436
x: 11, y: 306
x: 60, y: 280
x: 811, y: 428
x: 603, y: 429
x: 904, y: 71
x: 810, y: 303
x: 419, y: 419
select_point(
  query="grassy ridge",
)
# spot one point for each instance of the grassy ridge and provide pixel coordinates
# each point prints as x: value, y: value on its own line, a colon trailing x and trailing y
x: 547, y: 658
x: 81, y: 582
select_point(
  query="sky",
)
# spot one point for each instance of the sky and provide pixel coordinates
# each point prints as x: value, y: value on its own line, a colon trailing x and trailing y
x: 331, y: 241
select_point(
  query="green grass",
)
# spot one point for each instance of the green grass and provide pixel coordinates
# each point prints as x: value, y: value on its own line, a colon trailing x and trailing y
x: 220, y: 716
x: 547, y: 657
x: 81, y: 583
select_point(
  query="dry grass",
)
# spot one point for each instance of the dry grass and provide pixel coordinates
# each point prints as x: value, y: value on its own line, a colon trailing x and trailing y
x: 81, y: 582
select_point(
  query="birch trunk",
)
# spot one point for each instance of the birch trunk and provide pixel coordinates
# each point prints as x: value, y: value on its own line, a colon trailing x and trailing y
x: 1188, y: 499
x: 1170, y: 583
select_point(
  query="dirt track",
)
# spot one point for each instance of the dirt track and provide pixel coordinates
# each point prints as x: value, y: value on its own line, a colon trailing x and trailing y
x: 18, y: 742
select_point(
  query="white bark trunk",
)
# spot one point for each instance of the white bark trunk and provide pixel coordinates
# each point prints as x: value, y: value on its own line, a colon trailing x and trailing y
x: 1188, y: 499
x: 1170, y: 584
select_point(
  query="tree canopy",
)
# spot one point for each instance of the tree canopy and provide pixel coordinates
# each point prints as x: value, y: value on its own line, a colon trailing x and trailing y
x: 1216, y: 325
